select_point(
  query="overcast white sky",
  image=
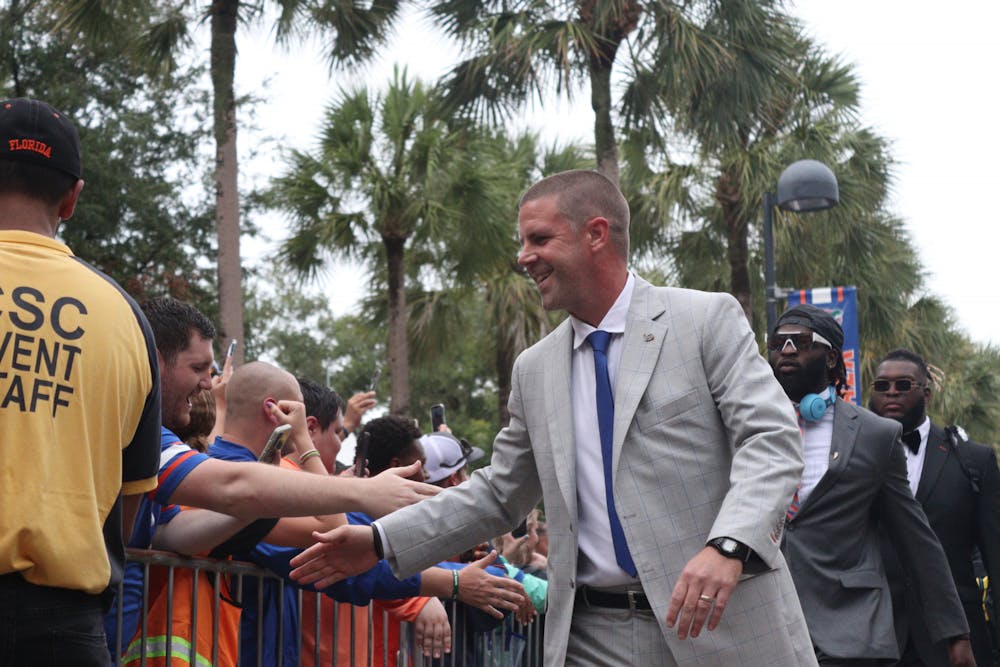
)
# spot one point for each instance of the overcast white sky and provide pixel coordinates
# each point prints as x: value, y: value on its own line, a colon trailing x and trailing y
x: 929, y: 85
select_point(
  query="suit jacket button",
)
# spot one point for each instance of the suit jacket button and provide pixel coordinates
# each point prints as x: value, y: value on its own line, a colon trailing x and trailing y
x: 572, y: 583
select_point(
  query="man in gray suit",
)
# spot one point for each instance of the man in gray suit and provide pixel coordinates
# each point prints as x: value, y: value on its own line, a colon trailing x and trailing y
x: 658, y: 438
x: 854, y: 478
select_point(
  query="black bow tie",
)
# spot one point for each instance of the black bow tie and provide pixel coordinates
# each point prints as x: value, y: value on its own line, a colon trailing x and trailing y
x: 912, y: 440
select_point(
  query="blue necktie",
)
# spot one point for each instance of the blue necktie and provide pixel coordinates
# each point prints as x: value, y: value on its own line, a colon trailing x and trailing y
x: 606, y: 421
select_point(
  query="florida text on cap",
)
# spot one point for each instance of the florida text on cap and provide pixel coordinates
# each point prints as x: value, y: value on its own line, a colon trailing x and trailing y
x: 33, y: 131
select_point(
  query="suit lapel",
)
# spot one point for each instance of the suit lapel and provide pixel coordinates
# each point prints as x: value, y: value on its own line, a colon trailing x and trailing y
x: 558, y: 378
x: 934, y: 460
x: 845, y: 436
x: 642, y: 341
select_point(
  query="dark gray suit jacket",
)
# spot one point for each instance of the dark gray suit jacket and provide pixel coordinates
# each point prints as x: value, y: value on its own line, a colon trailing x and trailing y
x: 832, y: 544
x: 962, y: 521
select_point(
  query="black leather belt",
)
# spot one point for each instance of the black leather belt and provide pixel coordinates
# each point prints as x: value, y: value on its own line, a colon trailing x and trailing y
x: 632, y: 600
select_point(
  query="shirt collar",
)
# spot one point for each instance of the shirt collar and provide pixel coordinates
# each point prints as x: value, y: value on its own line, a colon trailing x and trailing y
x: 31, y: 238
x: 614, y: 320
x: 230, y: 451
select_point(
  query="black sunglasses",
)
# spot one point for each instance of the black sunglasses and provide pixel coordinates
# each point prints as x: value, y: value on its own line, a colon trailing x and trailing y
x: 902, y: 386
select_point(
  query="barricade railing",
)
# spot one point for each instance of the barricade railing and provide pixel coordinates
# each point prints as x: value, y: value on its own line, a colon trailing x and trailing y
x: 172, y: 627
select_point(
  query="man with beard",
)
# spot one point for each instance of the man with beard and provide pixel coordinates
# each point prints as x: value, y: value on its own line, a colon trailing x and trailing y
x: 958, y: 485
x: 854, y: 481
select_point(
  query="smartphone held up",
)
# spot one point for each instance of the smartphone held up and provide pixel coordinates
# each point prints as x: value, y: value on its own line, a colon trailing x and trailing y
x: 361, y: 455
x: 437, y: 416
x: 275, y: 443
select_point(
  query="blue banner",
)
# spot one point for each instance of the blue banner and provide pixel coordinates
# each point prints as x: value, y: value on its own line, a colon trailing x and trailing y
x: 842, y: 303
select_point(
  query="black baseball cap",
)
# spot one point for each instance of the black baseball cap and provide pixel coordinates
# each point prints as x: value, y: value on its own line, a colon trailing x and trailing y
x: 33, y: 131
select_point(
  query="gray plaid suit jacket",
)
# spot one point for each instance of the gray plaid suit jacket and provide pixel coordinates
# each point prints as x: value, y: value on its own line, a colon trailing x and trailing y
x: 705, y: 445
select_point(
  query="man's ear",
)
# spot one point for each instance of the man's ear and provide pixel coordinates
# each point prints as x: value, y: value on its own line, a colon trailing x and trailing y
x: 598, y: 232
x: 68, y: 203
x: 831, y: 358
x: 313, y: 425
x: 266, y: 409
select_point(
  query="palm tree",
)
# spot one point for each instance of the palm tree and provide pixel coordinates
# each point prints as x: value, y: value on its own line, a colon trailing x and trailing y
x: 390, y: 173
x: 350, y: 32
x: 738, y: 150
x: 521, y: 49
x: 487, y: 276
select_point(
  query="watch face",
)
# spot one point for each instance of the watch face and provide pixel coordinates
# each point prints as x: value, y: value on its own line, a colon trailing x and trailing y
x: 729, y: 545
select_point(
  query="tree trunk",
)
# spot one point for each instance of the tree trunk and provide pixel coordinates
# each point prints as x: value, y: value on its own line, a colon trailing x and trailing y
x: 729, y: 196
x: 604, y: 132
x: 227, y: 205
x: 610, y: 30
x: 399, y: 349
x: 16, y: 18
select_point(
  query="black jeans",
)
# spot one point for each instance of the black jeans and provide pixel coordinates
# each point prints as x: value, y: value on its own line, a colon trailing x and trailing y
x: 42, y: 626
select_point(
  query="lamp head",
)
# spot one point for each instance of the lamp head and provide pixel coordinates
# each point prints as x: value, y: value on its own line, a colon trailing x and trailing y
x: 807, y: 185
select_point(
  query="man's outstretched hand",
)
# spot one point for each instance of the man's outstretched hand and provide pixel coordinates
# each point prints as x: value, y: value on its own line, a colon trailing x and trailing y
x: 339, y: 553
x: 494, y: 595
x: 390, y: 490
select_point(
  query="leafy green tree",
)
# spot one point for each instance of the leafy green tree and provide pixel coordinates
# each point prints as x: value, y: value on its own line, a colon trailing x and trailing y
x: 968, y: 391
x: 350, y: 33
x: 738, y: 144
x: 524, y: 49
x: 138, y: 220
x: 390, y: 174
x: 488, y: 277
x: 295, y: 330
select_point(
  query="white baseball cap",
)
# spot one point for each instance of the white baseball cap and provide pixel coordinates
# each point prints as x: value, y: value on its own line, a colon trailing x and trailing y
x: 446, y: 454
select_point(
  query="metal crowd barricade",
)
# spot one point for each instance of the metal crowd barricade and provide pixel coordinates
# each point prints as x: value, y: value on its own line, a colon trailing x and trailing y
x: 509, y: 645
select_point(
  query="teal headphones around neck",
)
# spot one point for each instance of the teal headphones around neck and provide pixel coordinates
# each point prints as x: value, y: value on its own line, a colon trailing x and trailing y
x: 812, y: 407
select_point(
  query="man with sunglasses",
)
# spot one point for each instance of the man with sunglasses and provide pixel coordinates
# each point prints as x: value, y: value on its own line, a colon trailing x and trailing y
x: 958, y: 485
x: 853, y: 485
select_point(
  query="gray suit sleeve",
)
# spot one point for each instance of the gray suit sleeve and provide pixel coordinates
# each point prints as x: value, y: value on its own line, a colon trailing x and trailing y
x: 767, y: 444
x: 491, y: 503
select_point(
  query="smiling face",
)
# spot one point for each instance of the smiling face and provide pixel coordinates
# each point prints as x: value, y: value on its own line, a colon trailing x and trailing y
x: 181, y: 380
x: 555, y: 255
x: 908, y: 408
x: 801, y: 372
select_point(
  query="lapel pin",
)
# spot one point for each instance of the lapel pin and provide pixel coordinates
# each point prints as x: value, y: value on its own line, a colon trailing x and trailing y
x: 648, y: 337
x: 835, y: 455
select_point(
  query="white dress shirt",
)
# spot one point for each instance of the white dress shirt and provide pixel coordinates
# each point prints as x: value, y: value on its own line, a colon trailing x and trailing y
x: 915, y: 462
x: 596, y: 565
x: 816, y: 439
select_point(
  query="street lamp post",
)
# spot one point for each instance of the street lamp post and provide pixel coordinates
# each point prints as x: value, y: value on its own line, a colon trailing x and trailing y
x: 806, y: 185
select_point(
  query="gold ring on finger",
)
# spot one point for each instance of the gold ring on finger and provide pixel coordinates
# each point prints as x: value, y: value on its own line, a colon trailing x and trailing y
x: 706, y: 598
